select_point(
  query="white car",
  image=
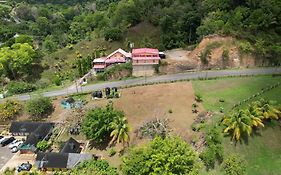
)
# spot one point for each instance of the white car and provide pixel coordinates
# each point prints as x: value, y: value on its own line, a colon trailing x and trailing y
x: 14, y: 149
x: 2, y: 139
x: 15, y: 143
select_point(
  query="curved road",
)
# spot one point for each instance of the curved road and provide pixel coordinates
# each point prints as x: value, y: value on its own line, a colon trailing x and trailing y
x: 162, y: 78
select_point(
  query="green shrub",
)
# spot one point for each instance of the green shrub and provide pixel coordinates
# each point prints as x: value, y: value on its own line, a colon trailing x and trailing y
x: 114, y: 72
x: 170, y: 111
x: 205, y: 54
x: 9, y: 109
x: 56, y: 80
x: 39, y: 107
x: 198, y: 98
x: 246, y: 47
x: 214, y: 149
x: 19, y: 87
x: 234, y: 165
x: 42, y: 145
x: 208, y: 156
x: 225, y: 55
x: 111, y: 152
x: 114, y: 34
x: 43, y: 83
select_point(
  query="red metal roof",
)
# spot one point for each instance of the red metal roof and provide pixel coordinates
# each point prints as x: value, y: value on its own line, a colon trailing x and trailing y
x: 145, y: 50
x: 115, y: 60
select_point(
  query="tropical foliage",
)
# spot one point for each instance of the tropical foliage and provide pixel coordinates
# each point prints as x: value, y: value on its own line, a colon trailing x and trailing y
x: 234, y: 165
x: 39, y: 107
x: 9, y: 109
x: 16, y: 61
x: 120, y: 131
x: 98, y: 167
x: 214, y: 150
x: 103, y: 123
x: 244, y: 121
x: 19, y: 87
x: 170, y: 155
x: 42, y: 145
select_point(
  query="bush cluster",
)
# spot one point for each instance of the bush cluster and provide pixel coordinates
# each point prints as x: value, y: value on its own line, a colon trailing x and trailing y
x: 19, y: 87
x: 39, y: 107
x: 9, y: 109
x: 214, y: 150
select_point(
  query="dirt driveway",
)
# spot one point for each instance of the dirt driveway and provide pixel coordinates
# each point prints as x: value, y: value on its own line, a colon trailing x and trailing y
x: 177, y: 61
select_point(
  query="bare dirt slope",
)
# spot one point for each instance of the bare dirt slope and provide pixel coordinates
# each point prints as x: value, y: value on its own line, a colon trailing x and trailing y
x: 180, y: 60
x: 215, y: 60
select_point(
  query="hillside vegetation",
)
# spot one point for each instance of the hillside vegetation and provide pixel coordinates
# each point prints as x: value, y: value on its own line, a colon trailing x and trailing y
x: 80, y: 29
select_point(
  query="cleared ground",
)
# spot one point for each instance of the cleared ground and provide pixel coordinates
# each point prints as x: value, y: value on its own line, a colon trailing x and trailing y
x: 142, y: 104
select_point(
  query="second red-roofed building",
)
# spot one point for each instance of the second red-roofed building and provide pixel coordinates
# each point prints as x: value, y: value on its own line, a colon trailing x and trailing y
x: 144, y: 61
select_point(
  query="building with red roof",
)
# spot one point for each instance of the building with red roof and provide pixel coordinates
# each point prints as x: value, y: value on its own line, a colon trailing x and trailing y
x: 144, y: 60
x: 116, y: 57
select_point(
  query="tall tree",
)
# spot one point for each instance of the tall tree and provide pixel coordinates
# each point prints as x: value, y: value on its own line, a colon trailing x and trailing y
x: 170, y: 155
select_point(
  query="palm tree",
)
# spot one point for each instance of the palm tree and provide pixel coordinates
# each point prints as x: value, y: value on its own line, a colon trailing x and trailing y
x: 120, y: 133
x: 238, y: 124
x: 267, y: 110
x: 255, y: 115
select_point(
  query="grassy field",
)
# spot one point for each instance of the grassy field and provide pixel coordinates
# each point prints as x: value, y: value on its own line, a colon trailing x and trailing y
x: 233, y: 90
x: 262, y: 151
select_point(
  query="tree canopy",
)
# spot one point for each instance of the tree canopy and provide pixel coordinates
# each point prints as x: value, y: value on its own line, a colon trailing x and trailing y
x: 16, y: 61
x: 168, y: 156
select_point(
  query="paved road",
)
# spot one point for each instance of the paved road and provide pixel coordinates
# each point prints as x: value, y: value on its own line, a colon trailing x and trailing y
x: 162, y: 78
x: 5, y: 156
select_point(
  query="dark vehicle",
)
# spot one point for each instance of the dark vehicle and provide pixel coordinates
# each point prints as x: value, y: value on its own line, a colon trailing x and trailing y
x: 7, y: 141
x: 162, y: 55
x: 24, y: 167
x: 1, y: 137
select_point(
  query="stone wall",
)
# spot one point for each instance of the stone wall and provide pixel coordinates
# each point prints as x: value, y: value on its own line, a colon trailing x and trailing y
x: 143, y: 70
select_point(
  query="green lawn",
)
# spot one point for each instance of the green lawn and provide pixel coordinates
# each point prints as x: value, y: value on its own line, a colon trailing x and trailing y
x: 263, y: 150
x: 233, y: 90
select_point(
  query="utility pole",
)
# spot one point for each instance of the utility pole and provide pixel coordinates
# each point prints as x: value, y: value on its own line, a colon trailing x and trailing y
x: 76, y: 86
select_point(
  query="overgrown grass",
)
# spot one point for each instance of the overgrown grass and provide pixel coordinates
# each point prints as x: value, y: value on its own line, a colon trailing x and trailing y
x: 262, y: 150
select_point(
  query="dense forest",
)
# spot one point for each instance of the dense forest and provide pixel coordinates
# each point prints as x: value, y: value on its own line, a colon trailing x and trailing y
x: 31, y: 29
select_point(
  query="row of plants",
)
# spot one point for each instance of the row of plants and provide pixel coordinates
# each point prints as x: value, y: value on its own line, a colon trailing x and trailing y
x: 244, y: 122
x: 264, y: 90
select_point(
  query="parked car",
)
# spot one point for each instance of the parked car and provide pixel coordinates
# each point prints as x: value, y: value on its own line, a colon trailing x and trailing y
x: 24, y: 167
x: 7, y: 141
x: 15, y: 143
x: 15, y: 149
x: 2, y: 139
